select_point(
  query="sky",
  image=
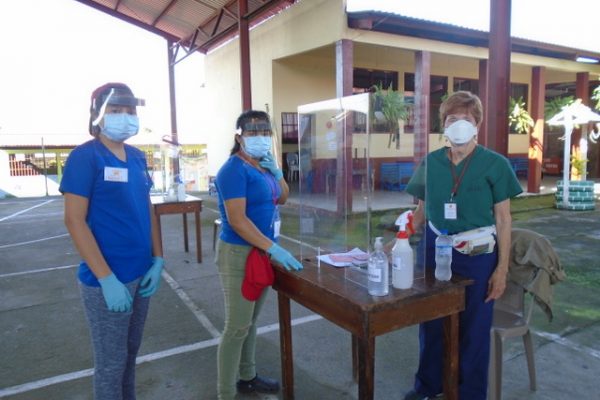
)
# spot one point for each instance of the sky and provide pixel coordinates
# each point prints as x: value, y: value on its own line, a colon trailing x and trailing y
x: 55, y: 52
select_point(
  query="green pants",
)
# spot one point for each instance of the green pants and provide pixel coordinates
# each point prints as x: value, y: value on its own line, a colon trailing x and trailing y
x: 238, y: 341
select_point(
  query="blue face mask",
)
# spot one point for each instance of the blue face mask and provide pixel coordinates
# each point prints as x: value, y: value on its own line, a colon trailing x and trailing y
x: 257, y: 146
x: 120, y: 127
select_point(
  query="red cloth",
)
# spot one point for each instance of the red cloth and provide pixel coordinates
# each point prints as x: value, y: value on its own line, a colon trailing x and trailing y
x: 259, y: 274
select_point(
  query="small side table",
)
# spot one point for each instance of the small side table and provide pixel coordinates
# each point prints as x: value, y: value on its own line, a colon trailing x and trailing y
x: 189, y: 205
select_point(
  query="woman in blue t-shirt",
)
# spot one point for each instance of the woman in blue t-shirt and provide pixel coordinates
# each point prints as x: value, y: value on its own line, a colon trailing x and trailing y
x: 250, y: 186
x: 109, y: 217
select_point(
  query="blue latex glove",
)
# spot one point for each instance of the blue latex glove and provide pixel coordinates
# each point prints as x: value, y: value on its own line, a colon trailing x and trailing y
x: 283, y: 257
x: 268, y: 162
x: 116, y: 295
x: 151, y: 281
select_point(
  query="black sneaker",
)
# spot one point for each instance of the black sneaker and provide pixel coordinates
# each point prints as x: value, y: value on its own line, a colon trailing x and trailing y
x: 414, y: 395
x: 258, y: 384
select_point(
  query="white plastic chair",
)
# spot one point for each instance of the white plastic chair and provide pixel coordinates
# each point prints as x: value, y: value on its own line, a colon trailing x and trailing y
x: 510, y: 320
x: 293, y: 166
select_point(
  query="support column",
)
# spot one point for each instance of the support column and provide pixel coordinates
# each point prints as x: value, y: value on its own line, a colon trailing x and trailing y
x: 482, y: 137
x: 245, y: 78
x: 499, y: 76
x: 422, y: 101
x: 536, y: 139
x: 582, y: 91
x: 172, y: 98
x: 344, y: 60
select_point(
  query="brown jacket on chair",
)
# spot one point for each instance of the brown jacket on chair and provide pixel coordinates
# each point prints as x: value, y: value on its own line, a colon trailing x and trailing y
x: 535, y: 266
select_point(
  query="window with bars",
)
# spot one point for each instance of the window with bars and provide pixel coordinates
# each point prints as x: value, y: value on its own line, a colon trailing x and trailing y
x: 438, y: 92
x: 470, y: 85
x: 289, y: 127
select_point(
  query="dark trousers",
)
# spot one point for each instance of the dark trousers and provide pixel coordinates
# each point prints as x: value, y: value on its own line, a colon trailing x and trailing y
x: 474, y: 327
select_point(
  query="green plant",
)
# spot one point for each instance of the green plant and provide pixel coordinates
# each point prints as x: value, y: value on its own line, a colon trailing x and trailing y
x: 579, y: 164
x: 554, y: 106
x: 596, y: 97
x: 519, y: 120
x: 391, y: 104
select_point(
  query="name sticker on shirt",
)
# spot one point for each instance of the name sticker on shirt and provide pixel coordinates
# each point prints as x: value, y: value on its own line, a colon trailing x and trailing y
x: 450, y: 211
x: 113, y: 174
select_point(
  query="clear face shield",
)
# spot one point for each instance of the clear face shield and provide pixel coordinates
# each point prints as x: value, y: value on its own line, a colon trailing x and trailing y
x: 114, y: 97
x: 262, y: 131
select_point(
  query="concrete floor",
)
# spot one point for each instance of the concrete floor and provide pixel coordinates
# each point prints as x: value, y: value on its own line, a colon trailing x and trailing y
x: 45, y: 351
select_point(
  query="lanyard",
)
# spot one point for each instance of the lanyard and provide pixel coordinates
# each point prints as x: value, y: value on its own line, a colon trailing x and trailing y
x: 458, y: 180
x: 266, y: 174
x: 271, y: 182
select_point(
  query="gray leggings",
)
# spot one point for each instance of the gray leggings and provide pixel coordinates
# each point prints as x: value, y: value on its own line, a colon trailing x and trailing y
x: 116, y: 339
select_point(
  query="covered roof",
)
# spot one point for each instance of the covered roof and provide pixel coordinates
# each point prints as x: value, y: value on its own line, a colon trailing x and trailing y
x: 408, y: 26
x: 192, y: 25
x: 202, y: 25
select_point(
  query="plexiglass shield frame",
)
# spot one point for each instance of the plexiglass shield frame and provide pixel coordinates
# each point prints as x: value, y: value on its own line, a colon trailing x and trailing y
x: 350, y: 188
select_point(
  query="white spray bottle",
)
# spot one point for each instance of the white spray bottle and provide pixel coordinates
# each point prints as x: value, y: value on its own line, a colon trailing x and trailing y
x: 403, y: 264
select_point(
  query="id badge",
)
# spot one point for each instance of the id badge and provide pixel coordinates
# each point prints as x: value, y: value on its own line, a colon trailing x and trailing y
x: 114, y: 174
x: 450, y: 211
x: 276, y: 223
x: 277, y: 228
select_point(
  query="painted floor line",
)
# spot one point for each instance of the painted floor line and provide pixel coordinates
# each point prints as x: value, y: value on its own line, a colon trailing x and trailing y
x: 568, y: 343
x: 214, y: 332
x: 6, y: 246
x: 35, y: 271
x: 25, y: 210
x: 39, y: 384
x: 35, y: 218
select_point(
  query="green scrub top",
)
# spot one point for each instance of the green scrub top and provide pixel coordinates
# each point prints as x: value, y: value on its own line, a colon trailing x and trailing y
x: 488, y: 179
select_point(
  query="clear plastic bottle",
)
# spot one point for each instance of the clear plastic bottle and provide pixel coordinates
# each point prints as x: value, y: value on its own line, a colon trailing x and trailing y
x: 443, y: 256
x: 378, y: 283
x: 402, y: 262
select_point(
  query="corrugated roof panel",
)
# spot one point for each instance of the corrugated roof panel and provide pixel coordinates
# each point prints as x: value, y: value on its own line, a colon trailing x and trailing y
x: 141, y: 11
x: 179, y: 19
x: 185, y: 16
x: 107, y: 3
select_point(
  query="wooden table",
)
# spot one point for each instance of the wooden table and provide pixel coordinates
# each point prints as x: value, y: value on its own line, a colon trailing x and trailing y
x: 189, y: 205
x: 346, y: 303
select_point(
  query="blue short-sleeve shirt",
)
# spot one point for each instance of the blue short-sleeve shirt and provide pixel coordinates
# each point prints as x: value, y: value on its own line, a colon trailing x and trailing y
x: 118, y: 209
x: 238, y: 179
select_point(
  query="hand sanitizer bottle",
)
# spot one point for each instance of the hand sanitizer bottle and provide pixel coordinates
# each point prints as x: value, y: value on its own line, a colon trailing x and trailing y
x: 378, y: 283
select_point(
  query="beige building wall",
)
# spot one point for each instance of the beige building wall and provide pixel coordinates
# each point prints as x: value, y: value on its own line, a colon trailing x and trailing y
x: 293, y: 63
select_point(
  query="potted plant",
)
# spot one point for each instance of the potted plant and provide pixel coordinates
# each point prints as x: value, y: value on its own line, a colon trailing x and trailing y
x: 519, y: 120
x: 578, y: 165
x: 389, y: 105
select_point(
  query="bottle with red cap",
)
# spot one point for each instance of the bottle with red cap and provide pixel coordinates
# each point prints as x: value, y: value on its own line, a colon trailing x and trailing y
x: 402, y: 256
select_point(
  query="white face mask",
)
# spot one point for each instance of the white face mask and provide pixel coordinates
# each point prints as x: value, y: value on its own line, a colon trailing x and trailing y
x: 460, y: 132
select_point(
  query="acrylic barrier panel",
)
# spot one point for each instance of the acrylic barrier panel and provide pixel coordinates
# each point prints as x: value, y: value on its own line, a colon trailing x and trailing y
x: 353, y: 172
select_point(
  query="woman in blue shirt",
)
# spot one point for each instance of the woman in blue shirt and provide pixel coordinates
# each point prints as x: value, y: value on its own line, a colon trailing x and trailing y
x: 250, y: 186
x: 109, y: 217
